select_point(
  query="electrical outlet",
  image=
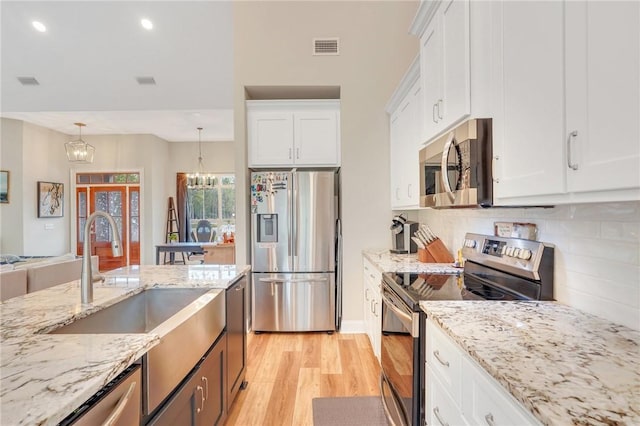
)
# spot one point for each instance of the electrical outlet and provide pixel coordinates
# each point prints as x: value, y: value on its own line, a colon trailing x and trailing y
x: 48, y: 226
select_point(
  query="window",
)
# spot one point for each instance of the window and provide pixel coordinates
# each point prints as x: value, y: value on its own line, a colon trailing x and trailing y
x: 216, y: 205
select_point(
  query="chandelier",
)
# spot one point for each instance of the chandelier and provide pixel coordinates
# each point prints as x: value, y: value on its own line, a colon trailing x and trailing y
x: 200, y: 180
x: 78, y: 151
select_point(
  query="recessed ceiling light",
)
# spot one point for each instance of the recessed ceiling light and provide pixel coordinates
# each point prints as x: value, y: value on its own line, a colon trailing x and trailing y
x: 146, y: 24
x: 39, y: 26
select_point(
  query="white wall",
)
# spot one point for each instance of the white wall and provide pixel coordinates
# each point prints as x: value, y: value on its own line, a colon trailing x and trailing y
x: 44, y: 159
x: 273, y: 47
x: 597, y: 250
x: 11, y: 220
x: 217, y: 157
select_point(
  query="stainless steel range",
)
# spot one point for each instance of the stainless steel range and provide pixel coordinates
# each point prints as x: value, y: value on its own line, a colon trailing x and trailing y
x: 496, y: 268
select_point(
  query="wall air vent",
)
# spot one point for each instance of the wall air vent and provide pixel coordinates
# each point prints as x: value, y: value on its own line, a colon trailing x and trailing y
x: 326, y: 46
x: 146, y: 81
x: 28, y: 81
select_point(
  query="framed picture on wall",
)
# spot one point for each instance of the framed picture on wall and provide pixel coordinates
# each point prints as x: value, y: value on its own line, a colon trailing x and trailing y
x: 50, y: 199
x: 4, y: 186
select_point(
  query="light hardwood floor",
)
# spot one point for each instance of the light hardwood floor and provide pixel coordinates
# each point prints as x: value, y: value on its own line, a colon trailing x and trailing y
x: 286, y: 371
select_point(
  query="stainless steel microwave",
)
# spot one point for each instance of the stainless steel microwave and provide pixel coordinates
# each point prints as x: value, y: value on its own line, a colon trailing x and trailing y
x: 455, y: 169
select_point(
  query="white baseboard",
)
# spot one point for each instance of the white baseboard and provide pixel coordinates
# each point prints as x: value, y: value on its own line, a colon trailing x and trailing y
x: 352, y: 327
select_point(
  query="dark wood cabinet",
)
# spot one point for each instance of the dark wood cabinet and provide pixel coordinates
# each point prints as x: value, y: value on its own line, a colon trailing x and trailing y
x: 200, y: 400
x: 236, y: 338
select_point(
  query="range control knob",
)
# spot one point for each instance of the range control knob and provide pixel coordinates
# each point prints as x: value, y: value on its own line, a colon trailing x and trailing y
x: 525, y: 254
x: 504, y: 250
x: 516, y: 252
x: 509, y: 251
x: 470, y: 243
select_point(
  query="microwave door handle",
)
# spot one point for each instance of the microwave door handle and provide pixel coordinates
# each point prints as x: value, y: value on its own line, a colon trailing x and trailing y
x: 444, y: 175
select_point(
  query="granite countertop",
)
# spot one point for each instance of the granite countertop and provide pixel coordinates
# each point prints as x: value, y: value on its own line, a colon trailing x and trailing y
x: 44, y: 377
x: 386, y: 261
x: 563, y: 365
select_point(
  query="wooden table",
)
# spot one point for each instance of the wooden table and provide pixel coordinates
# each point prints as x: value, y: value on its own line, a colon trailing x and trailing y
x: 173, y: 248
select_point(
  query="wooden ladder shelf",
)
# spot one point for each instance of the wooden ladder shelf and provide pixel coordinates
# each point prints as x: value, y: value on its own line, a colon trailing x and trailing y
x: 173, y: 227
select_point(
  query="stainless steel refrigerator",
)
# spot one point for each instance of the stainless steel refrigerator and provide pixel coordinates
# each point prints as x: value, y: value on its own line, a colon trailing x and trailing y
x: 295, y: 250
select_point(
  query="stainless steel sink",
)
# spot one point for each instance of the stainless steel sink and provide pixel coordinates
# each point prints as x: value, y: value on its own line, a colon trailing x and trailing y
x: 140, y: 313
x: 181, y: 346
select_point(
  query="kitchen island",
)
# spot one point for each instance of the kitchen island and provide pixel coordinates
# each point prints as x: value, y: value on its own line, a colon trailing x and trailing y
x: 563, y: 365
x: 44, y: 377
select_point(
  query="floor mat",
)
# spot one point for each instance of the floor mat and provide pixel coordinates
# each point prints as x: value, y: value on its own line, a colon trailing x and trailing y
x: 349, y: 411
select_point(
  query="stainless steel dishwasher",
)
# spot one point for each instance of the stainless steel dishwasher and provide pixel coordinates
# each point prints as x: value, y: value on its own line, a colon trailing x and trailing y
x: 117, y: 404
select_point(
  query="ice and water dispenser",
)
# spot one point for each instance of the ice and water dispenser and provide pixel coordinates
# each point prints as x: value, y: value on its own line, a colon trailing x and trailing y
x: 267, y: 228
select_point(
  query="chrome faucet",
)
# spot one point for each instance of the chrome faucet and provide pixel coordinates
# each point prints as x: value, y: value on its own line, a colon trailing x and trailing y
x: 86, y: 279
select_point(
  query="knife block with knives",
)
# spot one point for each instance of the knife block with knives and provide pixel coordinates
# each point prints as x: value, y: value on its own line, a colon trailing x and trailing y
x: 431, y: 249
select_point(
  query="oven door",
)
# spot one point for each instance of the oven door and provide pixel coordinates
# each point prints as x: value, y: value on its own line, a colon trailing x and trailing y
x: 401, y: 380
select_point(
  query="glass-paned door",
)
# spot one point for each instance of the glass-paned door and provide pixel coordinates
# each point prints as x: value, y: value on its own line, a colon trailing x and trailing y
x: 134, y: 225
x: 110, y: 199
x: 123, y: 204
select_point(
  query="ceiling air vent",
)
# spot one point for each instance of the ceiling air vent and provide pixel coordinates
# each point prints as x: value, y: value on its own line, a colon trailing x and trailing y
x: 28, y: 81
x: 146, y: 81
x: 326, y: 46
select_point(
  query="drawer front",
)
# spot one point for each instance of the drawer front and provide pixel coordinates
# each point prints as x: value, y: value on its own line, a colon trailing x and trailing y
x: 485, y: 402
x: 441, y: 409
x: 444, y: 358
x: 371, y: 273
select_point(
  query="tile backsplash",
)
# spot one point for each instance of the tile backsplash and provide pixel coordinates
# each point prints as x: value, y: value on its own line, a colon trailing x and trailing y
x: 597, y: 250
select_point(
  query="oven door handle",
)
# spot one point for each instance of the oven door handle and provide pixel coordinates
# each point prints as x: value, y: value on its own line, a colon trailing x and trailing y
x: 410, y: 320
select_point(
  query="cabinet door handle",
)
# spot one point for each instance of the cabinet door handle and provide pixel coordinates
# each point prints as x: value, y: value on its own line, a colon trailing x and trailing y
x: 297, y: 153
x: 206, y: 387
x: 572, y: 135
x: 199, y: 409
x: 366, y: 294
x: 436, y: 411
x: 433, y: 113
x: 440, y: 360
x: 122, y: 403
x: 489, y: 419
x: 289, y: 153
x: 373, y: 308
x: 439, y: 109
x: 409, y: 190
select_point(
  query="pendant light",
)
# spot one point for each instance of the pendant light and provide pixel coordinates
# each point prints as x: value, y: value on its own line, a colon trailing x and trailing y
x: 200, y: 180
x: 78, y: 151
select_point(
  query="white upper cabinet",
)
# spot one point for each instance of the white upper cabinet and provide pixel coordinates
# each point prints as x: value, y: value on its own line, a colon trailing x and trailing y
x: 528, y: 124
x: 566, y: 84
x: 293, y: 132
x: 444, y: 64
x: 405, y: 130
x: 603, y: 95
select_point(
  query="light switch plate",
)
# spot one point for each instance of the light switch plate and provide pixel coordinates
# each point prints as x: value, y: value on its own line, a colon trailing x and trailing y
x: 48, y: 226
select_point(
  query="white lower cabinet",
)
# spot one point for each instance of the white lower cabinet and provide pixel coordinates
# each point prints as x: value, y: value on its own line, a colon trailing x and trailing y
x: 460, y: 392
x: 485, y: 402
x: 442, y: 409
x: 372, y: 305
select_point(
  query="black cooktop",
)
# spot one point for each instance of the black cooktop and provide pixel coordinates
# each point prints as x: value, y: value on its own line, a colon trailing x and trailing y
x: 482, y: 284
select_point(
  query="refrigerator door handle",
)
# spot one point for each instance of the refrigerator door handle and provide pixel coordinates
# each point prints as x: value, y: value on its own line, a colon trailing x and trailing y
x: 294, y: 219
x: 299, y: 280
x: 290, y: 211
